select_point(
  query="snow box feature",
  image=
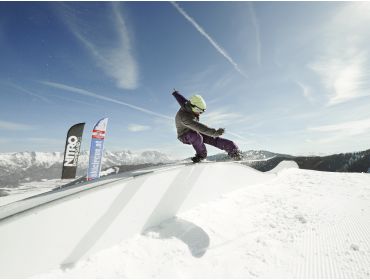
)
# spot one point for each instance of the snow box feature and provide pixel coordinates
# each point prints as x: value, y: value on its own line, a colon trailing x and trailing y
x: 66, y: 228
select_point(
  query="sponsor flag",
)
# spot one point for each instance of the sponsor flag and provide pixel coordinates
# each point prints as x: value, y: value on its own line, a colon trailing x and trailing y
x: 96, y: 149
x: 72, y: 151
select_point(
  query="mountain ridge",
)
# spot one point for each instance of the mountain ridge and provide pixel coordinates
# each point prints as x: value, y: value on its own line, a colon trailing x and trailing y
x: 343, y: 162
x: 21, y: 167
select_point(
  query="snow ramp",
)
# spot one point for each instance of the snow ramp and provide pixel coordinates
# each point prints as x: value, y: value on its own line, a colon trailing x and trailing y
x: 58, y: 228
x: 283, y: 165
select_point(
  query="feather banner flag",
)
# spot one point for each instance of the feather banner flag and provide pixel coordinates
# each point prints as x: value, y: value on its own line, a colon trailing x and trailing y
x: 72, y: 151
x: 96, y: 149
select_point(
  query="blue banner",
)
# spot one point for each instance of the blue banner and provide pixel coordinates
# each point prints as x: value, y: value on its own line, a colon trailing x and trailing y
x: 96, y: 149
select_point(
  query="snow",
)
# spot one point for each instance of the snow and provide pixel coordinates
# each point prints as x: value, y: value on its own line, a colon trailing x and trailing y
x: 29, y: 189
x: 291, y: 223
x: 304, y: 224
x: 285, y: 164
x: 21, y: 171
x: 24, y: 160
x: 65, y: 226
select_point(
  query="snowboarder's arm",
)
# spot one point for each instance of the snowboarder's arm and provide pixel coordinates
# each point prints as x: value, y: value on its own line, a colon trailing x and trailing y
x: 199, y: 127
x: 179, y: 98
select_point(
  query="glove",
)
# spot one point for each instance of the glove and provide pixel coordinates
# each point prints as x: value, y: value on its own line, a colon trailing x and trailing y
x: 220, y: 131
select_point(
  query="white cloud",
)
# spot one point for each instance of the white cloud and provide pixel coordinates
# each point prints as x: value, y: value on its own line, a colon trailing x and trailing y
x: 223, y: 83
x: 138, y: 127
x: 48, y: 141
x: 113, y: 55
x: 4, y: 125
x: 223, y: 118
x: 343, y: 60
x: 209, y: 38
x: 306, y: 91
x: 349, y: 128
x: 343, y: 76
x: 6, y: 141
x: 245, y: 141
x: 97, y: 96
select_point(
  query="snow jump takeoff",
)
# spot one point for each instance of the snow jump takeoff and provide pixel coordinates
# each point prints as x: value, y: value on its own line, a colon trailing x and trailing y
x: 191, y: 132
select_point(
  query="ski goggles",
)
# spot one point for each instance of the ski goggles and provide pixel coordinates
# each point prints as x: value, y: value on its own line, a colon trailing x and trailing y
x: 196, y: 109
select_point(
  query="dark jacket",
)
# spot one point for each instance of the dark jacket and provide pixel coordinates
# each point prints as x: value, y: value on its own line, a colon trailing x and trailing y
x: 187, y: 120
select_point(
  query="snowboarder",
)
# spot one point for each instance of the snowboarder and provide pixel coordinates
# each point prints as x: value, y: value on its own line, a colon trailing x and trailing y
x: 190, y: 131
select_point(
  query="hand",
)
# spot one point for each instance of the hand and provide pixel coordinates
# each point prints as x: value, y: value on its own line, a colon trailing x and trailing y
x: 220, y: 131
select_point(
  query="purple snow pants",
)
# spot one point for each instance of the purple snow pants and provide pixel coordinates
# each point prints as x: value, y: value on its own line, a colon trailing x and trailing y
x: 198, y: 140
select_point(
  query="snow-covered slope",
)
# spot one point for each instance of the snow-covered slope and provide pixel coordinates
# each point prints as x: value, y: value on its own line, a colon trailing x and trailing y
x: 65, y: 226
x: 251, y: 155
x: 29, y: 189
x: 25, y: 160
x: 231, y: 221
x: 283, y: 165
x: 24, y: 167
x: 302, y: 224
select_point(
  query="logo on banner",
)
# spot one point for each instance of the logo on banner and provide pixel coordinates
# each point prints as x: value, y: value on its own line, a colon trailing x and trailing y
x: 98, y: 134
x: 72, y: 151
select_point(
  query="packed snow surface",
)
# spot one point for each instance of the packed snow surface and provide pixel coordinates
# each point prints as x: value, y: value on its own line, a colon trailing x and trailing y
x: 285, y: 164
x: 30, y: 189
x: 304, y: 224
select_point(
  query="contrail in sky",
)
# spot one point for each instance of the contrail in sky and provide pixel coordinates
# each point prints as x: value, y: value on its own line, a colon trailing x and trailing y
x: 213, y: 42
x: 29, y: 92
x: 97, y: 96
x: 257, y: 31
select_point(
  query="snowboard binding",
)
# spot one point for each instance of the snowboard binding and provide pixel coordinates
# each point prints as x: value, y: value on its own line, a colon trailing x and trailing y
x: 197, y: 159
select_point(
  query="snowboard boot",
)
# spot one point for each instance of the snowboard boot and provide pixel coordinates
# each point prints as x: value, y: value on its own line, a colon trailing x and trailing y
x: 236, y: 155
x: 197, y: 159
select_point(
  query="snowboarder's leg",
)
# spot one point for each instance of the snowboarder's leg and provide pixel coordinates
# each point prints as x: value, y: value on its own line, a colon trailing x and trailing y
x: 195, y: 139
x: 224, y: 144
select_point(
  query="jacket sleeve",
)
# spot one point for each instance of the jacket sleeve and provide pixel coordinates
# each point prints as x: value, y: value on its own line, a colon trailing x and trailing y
x: 179, y: 98
x: 197, y: 126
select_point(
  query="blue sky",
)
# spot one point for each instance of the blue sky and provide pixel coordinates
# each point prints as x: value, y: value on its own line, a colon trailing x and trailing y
x: 289, y: 77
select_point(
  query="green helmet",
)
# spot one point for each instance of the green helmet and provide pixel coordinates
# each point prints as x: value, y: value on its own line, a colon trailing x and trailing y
x: 198, y: 105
